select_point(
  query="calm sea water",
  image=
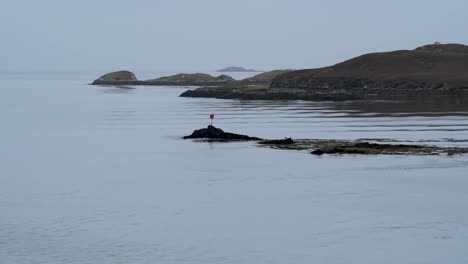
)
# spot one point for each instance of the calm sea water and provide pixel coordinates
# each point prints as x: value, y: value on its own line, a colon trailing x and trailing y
x: 100, y: 175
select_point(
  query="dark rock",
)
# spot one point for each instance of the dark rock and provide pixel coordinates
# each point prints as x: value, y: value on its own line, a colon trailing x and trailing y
x: 212, y: 132
x: 318, y: 152
x: 285, y: 141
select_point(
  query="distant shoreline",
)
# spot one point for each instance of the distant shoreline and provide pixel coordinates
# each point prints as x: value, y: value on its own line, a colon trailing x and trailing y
x: 430, y: 70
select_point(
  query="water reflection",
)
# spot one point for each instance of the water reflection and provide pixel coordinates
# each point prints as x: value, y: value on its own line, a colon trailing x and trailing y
x: 121, y: 89
x: 443, y: 106
x: 106, y: 178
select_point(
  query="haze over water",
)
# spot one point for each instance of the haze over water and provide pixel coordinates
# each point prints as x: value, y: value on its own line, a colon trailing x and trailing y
x: 92, y: 174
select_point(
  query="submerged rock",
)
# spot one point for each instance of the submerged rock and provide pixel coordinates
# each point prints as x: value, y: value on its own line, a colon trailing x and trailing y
x: 212, y: 132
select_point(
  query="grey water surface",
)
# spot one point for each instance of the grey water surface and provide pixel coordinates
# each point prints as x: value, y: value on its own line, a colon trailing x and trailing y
x: 95, y: 174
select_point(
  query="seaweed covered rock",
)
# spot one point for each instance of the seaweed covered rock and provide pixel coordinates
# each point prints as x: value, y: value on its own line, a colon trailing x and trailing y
x: 366, y: 148
x: 212, y: 132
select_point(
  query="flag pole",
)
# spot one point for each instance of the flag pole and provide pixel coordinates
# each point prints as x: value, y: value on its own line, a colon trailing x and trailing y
x: 211, y: 118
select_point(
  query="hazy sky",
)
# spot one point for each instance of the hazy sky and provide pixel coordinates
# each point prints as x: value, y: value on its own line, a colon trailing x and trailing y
x: 144, y: 35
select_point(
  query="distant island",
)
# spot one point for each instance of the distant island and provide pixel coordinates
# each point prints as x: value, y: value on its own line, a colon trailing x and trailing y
x: 236, y: 69
x: 186, y: 79
x: 118, y: 76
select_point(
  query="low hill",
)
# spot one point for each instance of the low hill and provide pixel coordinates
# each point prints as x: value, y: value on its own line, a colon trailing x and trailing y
x: 193, y: 78
x: 265, y: 77
x: 431, y: 66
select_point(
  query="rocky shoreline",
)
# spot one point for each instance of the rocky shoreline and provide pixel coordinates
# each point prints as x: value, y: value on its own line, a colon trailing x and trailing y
x: 258, y: 92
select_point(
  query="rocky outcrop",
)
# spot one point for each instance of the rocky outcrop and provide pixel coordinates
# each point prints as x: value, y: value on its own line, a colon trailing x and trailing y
x: 212, y: 132
x: 118, y: 77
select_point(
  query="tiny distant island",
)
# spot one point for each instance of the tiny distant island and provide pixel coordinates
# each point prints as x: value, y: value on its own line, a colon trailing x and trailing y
x: 236, y: 69
x: 430, y: 70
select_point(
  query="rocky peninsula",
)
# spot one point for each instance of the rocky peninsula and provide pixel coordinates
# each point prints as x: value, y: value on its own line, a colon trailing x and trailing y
x: 431, y: 70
